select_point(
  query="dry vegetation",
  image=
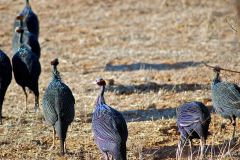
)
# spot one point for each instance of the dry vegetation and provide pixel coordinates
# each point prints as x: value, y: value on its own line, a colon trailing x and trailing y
x: 153, y: 50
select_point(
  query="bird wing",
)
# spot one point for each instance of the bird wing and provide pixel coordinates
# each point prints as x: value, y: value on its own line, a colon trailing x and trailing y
x: 120, y: 124
x: 67, y: 100
x: 104, y: 124
x: 227, y: 95
x: 49, y: 111
x: 188, y: 115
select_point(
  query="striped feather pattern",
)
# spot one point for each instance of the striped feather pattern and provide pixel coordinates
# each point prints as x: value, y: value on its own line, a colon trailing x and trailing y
x: 109, y: 129
x: 104, y: 126
x: 193, y: 120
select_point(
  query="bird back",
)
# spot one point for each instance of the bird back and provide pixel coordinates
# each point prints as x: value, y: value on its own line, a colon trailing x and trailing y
x: 26, y: 66
x: 226, y: 98
x: 193, y: 117
x: 58, y: 100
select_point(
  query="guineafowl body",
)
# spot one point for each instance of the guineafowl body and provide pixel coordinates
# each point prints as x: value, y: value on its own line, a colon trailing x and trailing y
x: 193, y: 121
x: 58, y: 106
x: 226, y: 99
x: 27, y: 69
x: 109, y: 128
x: 30, y: 19
x: 5, y: 78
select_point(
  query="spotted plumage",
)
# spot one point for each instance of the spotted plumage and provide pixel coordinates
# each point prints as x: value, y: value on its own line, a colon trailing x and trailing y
x: 226, y: 99
x: 58, y: 106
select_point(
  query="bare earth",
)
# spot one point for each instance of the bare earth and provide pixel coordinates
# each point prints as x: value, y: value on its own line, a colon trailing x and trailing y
x: 152, y: 49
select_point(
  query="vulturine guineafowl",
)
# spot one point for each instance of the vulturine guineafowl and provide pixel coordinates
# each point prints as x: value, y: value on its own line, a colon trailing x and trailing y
x: 58, y: 106
x: 226, y: 98
x: 26, y: 38
x: 26, y: 69
x: 109, y: 128
x: 193, y: 121
x: 30, y: 19
x: 5, y: 78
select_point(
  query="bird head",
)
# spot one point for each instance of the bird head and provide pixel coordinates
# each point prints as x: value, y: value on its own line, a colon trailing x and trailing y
x: 54, y: 62
x: 100, y: 82
x: 19, y: 17
x: 217, y: 69
x: 19, y: 30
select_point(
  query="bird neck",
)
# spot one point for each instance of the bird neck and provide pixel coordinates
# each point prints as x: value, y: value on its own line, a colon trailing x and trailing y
x: 217, y: 78
x: 100, y: 99
x: 55, y: 75
x: 21, y: 38
x: 27, y: 2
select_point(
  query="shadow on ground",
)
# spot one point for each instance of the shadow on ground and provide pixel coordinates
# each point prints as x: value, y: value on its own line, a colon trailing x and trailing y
x: 154, y: 87
x: 219, y: 151
x: 147, y: 66
x: 151, y: 114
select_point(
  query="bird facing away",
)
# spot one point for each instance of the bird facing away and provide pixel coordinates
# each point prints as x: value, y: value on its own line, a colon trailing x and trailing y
x: 5, y: 78
x: 26, y: 69
x: 226, y: 98
x: 109, y: 128
x: 58, y: 106
x: 22, y: 35
x: 193, y: 121
x: 30, y: 20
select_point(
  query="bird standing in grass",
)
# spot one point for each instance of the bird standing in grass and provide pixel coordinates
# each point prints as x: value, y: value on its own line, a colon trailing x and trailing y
x: 226, y: 99
x: 58, y: 106
x: 109, y: 128
x: 193, y: 121
x: 5, y: 78
x: 26, y: 68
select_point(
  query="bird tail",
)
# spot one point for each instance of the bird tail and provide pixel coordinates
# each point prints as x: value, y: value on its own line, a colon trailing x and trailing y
x: 123, y: 151
x: 60, y: 129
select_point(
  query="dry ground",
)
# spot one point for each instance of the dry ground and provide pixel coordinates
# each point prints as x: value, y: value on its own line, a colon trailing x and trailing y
x: 153, y: 50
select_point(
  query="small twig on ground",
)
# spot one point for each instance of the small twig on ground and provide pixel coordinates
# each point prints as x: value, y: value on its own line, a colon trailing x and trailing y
x: 230, y: 25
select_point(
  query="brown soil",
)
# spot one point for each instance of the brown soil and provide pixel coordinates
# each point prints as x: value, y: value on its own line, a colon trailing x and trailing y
x: 152, y: 49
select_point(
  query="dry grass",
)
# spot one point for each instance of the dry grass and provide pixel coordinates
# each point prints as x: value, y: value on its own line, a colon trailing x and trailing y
x: 152, y: 48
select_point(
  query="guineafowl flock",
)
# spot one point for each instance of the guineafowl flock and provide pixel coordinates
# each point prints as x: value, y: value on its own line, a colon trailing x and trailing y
x: 109, y: 127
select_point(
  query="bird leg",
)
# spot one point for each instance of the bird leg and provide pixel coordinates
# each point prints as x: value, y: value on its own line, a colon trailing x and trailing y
x: 190, y: 147
x: 179, y: 150
x: 106, y: 156
x: 1, y: 113
x: 65, y: 149
x: 202, y: 144
x: 26, y: 96
x: 234, y: 126
x: 54, y: 137
x: 36, y: 103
